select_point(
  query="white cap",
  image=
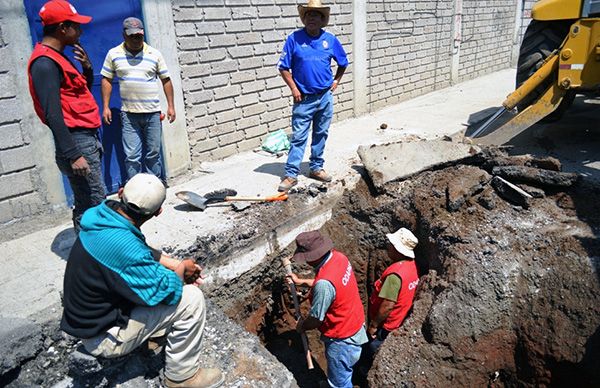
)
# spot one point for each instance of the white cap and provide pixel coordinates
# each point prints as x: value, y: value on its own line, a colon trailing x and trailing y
x: 144, y: 194
x: 404, y: 242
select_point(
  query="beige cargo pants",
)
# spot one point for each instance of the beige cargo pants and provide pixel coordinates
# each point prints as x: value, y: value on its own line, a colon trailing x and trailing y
x: 183, y: 324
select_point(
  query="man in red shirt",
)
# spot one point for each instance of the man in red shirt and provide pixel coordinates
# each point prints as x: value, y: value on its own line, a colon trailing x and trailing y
x: 393, y: 293
x: 336, y: 308
x: 63, y: 101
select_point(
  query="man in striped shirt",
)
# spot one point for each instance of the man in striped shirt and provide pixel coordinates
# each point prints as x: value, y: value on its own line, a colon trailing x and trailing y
x: 138, y: 65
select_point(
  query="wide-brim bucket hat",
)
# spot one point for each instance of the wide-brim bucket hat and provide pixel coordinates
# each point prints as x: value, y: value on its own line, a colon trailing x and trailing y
x: 311, y: 246
x: 404, y: 242
x: 314, y: 5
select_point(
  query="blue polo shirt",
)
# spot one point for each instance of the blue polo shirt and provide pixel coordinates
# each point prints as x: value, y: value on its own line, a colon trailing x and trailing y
x: 309, y: 59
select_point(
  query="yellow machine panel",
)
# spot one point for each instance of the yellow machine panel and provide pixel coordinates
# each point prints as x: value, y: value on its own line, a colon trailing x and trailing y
x: 556, y: 10
x: 579, y: 64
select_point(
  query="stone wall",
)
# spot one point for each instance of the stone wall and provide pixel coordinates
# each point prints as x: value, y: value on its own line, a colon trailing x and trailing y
x: 228, y: 50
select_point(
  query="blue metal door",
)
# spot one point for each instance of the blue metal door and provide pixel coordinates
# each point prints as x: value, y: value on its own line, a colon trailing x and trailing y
x: 99, y: 36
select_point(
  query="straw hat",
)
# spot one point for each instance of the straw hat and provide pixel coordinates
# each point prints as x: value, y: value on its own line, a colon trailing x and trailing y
x: 314, y: 5
x: 404, y: 242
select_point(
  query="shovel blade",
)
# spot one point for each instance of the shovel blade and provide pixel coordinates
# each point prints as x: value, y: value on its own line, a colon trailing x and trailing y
x: 192, y: 199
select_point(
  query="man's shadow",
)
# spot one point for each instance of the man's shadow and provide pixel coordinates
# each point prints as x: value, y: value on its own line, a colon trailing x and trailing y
x: 277, y: 169
x: 62, y: 243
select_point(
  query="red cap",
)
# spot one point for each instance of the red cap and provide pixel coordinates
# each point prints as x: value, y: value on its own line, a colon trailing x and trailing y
x: 57, y: 11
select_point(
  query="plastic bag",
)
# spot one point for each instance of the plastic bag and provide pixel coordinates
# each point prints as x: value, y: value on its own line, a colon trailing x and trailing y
x: 276, y: 142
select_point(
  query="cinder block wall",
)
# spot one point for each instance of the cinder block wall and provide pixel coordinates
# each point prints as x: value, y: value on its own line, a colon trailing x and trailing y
x: 487, y: 37
x: 234, y: 96
x: 408, y: 46
x: 20, y: 196
x: 228, y: 50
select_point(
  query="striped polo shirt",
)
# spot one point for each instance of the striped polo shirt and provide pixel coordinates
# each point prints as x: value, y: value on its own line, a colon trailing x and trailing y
x: 137, y: 77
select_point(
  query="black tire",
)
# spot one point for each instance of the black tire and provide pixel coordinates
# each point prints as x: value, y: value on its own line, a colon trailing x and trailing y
x: 540, y: 40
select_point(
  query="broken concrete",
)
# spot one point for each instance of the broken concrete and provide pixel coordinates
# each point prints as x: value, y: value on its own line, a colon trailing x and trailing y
x: 20, y: 339
x: 537, y: 176
x: 511, y: 192
x: 226, y: 345
x: 397, y: 161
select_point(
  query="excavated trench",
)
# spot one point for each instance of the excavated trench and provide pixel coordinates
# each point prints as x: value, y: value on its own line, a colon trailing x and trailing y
x: 509, y: 293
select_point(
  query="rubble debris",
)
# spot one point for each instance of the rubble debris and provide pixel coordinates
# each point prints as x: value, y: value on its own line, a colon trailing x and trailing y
x: 535, y: 192
x: 240, y: 205
x: 491, y: 157
x: 461, y: 189
x: 511, y: 192
x: 225, y: 344
x: 536, y: 176
x: 315, y: 189
x: 398, y: 161
x: 21, y: 339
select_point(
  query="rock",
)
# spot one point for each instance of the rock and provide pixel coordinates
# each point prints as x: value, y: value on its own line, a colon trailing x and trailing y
x: 459, y: 190
x: 547, y: 163
x: 20, y: 339
x: 398, y: 161
x: 535, y: 192
x: 537, y: 176
x: 240, y: 205
x: 486, y: 199
x: 510, y: 192
x: 83, y: 364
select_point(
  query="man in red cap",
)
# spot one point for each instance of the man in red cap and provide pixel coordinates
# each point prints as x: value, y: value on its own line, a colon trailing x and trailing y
x: 63, y: 101
x: 336, y: 309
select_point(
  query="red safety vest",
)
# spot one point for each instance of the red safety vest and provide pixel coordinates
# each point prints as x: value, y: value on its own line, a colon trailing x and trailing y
x: 345, y: 315
x: 78, y: 105
x: 407, y: 271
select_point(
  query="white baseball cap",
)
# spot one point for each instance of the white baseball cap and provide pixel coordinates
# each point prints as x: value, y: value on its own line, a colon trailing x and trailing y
x: 144, y: 194
x: 404, y: 242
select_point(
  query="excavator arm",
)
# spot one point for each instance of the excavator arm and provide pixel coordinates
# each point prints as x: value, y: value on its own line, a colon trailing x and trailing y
x: 573, y: 66
x: 486, y: 134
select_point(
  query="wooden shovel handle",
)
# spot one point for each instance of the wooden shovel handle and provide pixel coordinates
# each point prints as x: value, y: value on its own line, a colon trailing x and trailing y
x: 278, y: 197
x: 288, y: 270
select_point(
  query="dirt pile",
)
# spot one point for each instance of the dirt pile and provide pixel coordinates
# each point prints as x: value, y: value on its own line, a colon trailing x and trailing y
x: 509, y: 292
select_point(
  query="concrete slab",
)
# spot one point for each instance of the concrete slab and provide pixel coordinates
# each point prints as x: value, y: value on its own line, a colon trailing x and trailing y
x: 398, y: 161
x: 33, y: 266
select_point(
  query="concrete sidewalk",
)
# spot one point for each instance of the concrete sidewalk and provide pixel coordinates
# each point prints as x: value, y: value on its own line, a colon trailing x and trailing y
x: 33, y: 266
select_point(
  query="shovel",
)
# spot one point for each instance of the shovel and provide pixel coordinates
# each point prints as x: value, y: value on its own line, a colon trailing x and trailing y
x: 226, y: 195
x: 288, y: 270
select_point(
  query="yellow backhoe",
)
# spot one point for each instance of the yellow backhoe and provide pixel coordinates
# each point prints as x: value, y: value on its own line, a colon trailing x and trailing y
x: 559, y: 57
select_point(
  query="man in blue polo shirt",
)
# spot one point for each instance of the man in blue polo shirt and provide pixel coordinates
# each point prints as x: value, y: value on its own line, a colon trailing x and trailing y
x: 305, y: 66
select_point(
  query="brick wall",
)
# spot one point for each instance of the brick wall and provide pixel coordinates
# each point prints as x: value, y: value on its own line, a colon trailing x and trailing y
x: 19, y: 194
x: 526, y: 18
x: 487, y: 37
x: 228, y: 50
x: 408, y: 45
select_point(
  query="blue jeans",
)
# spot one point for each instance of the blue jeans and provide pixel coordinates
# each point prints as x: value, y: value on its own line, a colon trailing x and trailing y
x: 315, y: 109
x: 369, y: 350
x: 88, y: 191
x: 142, y: 133
x: 341, y: 358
